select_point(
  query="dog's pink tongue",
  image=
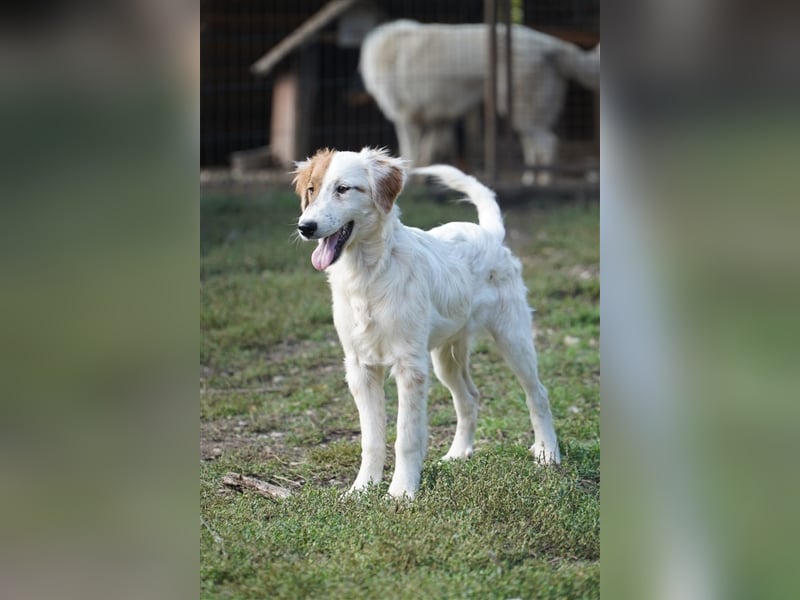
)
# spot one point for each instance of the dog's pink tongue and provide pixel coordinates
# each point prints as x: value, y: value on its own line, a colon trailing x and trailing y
x: 324, y: 253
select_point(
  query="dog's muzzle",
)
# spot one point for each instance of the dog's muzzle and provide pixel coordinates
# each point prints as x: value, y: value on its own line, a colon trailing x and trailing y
x: 307, y: 229
x: 329, y: 248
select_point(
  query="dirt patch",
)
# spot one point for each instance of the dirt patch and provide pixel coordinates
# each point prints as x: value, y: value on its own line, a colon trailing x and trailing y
x: 284, y: 353
x: 232, y: 434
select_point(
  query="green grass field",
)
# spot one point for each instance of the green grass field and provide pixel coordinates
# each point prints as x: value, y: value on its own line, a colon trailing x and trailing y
x: 274, y: 405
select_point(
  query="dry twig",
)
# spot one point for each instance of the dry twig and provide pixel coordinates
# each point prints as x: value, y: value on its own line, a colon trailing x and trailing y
x: 242, y: 482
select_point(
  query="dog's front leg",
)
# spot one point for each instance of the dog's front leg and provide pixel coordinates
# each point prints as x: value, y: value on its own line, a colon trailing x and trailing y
x: 366, y: 385
x: 412, y: 426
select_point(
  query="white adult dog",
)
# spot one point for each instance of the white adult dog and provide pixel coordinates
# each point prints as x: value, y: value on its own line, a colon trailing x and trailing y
x: 400, y: 293
x: 424, y: 77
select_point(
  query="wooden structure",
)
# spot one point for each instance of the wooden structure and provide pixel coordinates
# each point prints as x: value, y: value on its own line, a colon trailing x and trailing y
x: 296, y: 87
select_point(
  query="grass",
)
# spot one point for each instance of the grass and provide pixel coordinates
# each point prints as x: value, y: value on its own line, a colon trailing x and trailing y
x: 274, y: 405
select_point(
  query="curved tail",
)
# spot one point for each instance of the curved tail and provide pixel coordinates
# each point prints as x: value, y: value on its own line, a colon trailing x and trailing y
x: 483, y: 198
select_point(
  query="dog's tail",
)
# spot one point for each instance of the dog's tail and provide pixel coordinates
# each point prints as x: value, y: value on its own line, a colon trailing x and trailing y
x: 483, y: 198
x: 581, y: 65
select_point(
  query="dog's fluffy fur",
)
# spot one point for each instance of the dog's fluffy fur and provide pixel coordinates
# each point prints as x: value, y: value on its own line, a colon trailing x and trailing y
x: 400, y: 294
x: 424, y: 77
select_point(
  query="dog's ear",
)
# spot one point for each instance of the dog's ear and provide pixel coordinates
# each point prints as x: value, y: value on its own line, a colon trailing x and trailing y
x: 308, y: 175
x: 302, y: 175
x: 389, y: 176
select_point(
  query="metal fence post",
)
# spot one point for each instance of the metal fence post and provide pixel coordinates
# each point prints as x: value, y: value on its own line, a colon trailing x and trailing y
x: 490, y: 95
x: 509, y: 136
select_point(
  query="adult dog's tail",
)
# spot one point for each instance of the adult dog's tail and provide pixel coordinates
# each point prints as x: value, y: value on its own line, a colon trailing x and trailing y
x: 483, y: 198
x: 581, y: 65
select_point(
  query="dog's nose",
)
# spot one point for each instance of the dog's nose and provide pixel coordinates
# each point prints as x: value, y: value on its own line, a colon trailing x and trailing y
x: 307, y: 229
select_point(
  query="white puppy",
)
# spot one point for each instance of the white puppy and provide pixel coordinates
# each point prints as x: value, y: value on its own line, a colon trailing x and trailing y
x: 400, y: 293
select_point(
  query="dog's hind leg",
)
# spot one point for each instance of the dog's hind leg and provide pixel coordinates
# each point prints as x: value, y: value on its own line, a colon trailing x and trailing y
x: 366, y: 385
x: 539, y: 150
x: 451, y: 365
x: 409, y: 139
x: 438, y: 143
x: 512, y: 332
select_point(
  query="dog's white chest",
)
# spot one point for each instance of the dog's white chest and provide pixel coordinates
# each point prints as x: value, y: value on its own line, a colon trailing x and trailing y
x: 361, y: 328
x: 361, y: 313
x: 369, y: 336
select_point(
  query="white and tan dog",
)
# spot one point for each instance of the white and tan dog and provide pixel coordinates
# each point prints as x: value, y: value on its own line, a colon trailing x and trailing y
x: 400, y: 293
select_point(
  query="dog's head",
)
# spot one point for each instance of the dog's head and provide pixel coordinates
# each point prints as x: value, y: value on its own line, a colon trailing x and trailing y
x: 345, y: 196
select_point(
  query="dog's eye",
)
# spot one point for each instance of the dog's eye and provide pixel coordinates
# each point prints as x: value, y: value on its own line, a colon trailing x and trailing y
x: 310, y: 189
x: 342, y: 189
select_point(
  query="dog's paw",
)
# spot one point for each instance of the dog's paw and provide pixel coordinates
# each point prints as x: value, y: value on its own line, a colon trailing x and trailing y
x: 400, y: 493
x: 361, y: 485
x: 544, y: 455
x: 531, y: 177
x: 458, y: 454
x: 351, y: 493
x: 404, y: 486
x: 528, y: 178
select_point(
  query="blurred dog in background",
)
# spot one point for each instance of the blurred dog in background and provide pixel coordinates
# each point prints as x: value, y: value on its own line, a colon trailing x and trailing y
x: 425, y: 77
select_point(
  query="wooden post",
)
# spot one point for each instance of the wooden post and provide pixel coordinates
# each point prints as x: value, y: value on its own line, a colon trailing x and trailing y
x: 490, y: 95
x: 509, y: 137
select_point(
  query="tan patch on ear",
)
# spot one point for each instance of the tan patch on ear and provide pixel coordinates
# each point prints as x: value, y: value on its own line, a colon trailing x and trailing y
x: 388, y: 185
x: 309, y: 175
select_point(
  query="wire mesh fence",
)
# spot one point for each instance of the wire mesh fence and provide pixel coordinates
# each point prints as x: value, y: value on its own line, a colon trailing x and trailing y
x: 281, y: 79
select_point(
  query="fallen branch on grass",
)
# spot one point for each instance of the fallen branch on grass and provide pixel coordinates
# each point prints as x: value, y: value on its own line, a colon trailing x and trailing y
x: 243, y: 482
